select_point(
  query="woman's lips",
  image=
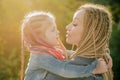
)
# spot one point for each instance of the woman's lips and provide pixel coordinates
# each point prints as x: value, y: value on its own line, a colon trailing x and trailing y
x: 67, y: 33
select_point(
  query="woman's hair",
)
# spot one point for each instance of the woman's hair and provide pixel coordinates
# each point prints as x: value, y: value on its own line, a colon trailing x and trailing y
x: 35, y: 23
x: 97, y: 31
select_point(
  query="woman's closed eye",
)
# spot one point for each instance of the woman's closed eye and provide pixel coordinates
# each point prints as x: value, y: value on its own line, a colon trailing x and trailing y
x: 74, y: 24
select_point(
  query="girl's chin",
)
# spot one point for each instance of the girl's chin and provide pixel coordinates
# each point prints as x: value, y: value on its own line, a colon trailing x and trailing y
x: 57, y: 43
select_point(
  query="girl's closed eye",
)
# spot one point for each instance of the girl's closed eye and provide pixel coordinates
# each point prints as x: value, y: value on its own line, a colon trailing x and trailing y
x: 53, y: 29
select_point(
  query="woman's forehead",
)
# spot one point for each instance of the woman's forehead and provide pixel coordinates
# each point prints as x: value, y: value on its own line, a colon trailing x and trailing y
x: 79, y: 14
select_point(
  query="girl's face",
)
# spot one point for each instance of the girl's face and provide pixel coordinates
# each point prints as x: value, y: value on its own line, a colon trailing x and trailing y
x: 52, y: 34
x: 75, y: 28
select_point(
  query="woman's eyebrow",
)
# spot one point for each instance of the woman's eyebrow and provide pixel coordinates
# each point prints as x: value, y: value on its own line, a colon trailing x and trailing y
x: 75, y: 19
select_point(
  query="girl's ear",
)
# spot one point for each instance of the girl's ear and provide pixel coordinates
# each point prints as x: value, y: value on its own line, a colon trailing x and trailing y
x: 38, y: 38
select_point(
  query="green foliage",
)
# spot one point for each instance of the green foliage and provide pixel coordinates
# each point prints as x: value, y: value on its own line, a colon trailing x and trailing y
x: 12, y: 13
x: 115, y: 48
x: 10, y: 62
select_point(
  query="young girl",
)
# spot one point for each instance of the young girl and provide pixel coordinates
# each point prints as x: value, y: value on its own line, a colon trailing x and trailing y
x: 40, y: 36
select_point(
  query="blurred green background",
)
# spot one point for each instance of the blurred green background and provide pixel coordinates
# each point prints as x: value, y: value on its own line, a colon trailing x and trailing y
x: 12, y: 13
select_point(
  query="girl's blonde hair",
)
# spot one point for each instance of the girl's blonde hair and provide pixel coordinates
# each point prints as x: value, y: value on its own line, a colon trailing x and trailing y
x: 97, y: 31
x: 37, y: 21
x: 33, y: 26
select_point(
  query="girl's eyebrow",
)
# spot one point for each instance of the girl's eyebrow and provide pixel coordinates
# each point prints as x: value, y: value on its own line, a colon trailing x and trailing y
x: 54, y: 27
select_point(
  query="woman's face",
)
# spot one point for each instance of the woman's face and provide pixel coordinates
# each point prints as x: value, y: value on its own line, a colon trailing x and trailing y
x: 52, y: 34
x: 75, y: 28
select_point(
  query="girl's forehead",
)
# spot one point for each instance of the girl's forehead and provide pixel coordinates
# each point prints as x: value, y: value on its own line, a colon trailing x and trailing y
x: 53, y: 23
x: 50, y: 21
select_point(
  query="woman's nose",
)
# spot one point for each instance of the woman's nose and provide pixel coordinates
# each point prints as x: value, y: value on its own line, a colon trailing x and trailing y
x: 68, y: 27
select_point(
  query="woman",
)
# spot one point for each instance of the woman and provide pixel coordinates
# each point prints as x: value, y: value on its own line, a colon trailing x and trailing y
x: 90, y: 31
x: 92, y: 25
x: 40, y: 36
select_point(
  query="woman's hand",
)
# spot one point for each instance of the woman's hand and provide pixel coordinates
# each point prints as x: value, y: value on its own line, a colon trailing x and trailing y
x: 109, y: 59
x: 101, y: 67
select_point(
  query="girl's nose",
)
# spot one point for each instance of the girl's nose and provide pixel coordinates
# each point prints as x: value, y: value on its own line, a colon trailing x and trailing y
x: 58, y: 31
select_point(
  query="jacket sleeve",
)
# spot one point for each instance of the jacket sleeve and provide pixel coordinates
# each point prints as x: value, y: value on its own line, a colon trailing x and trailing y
x: 62, y: 68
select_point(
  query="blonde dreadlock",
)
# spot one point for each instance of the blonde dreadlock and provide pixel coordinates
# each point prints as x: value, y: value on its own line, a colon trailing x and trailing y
x: 97, y: 31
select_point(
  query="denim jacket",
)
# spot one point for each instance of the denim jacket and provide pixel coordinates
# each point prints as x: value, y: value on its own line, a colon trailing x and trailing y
x: 78, y: 61
x: 47, y: 67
